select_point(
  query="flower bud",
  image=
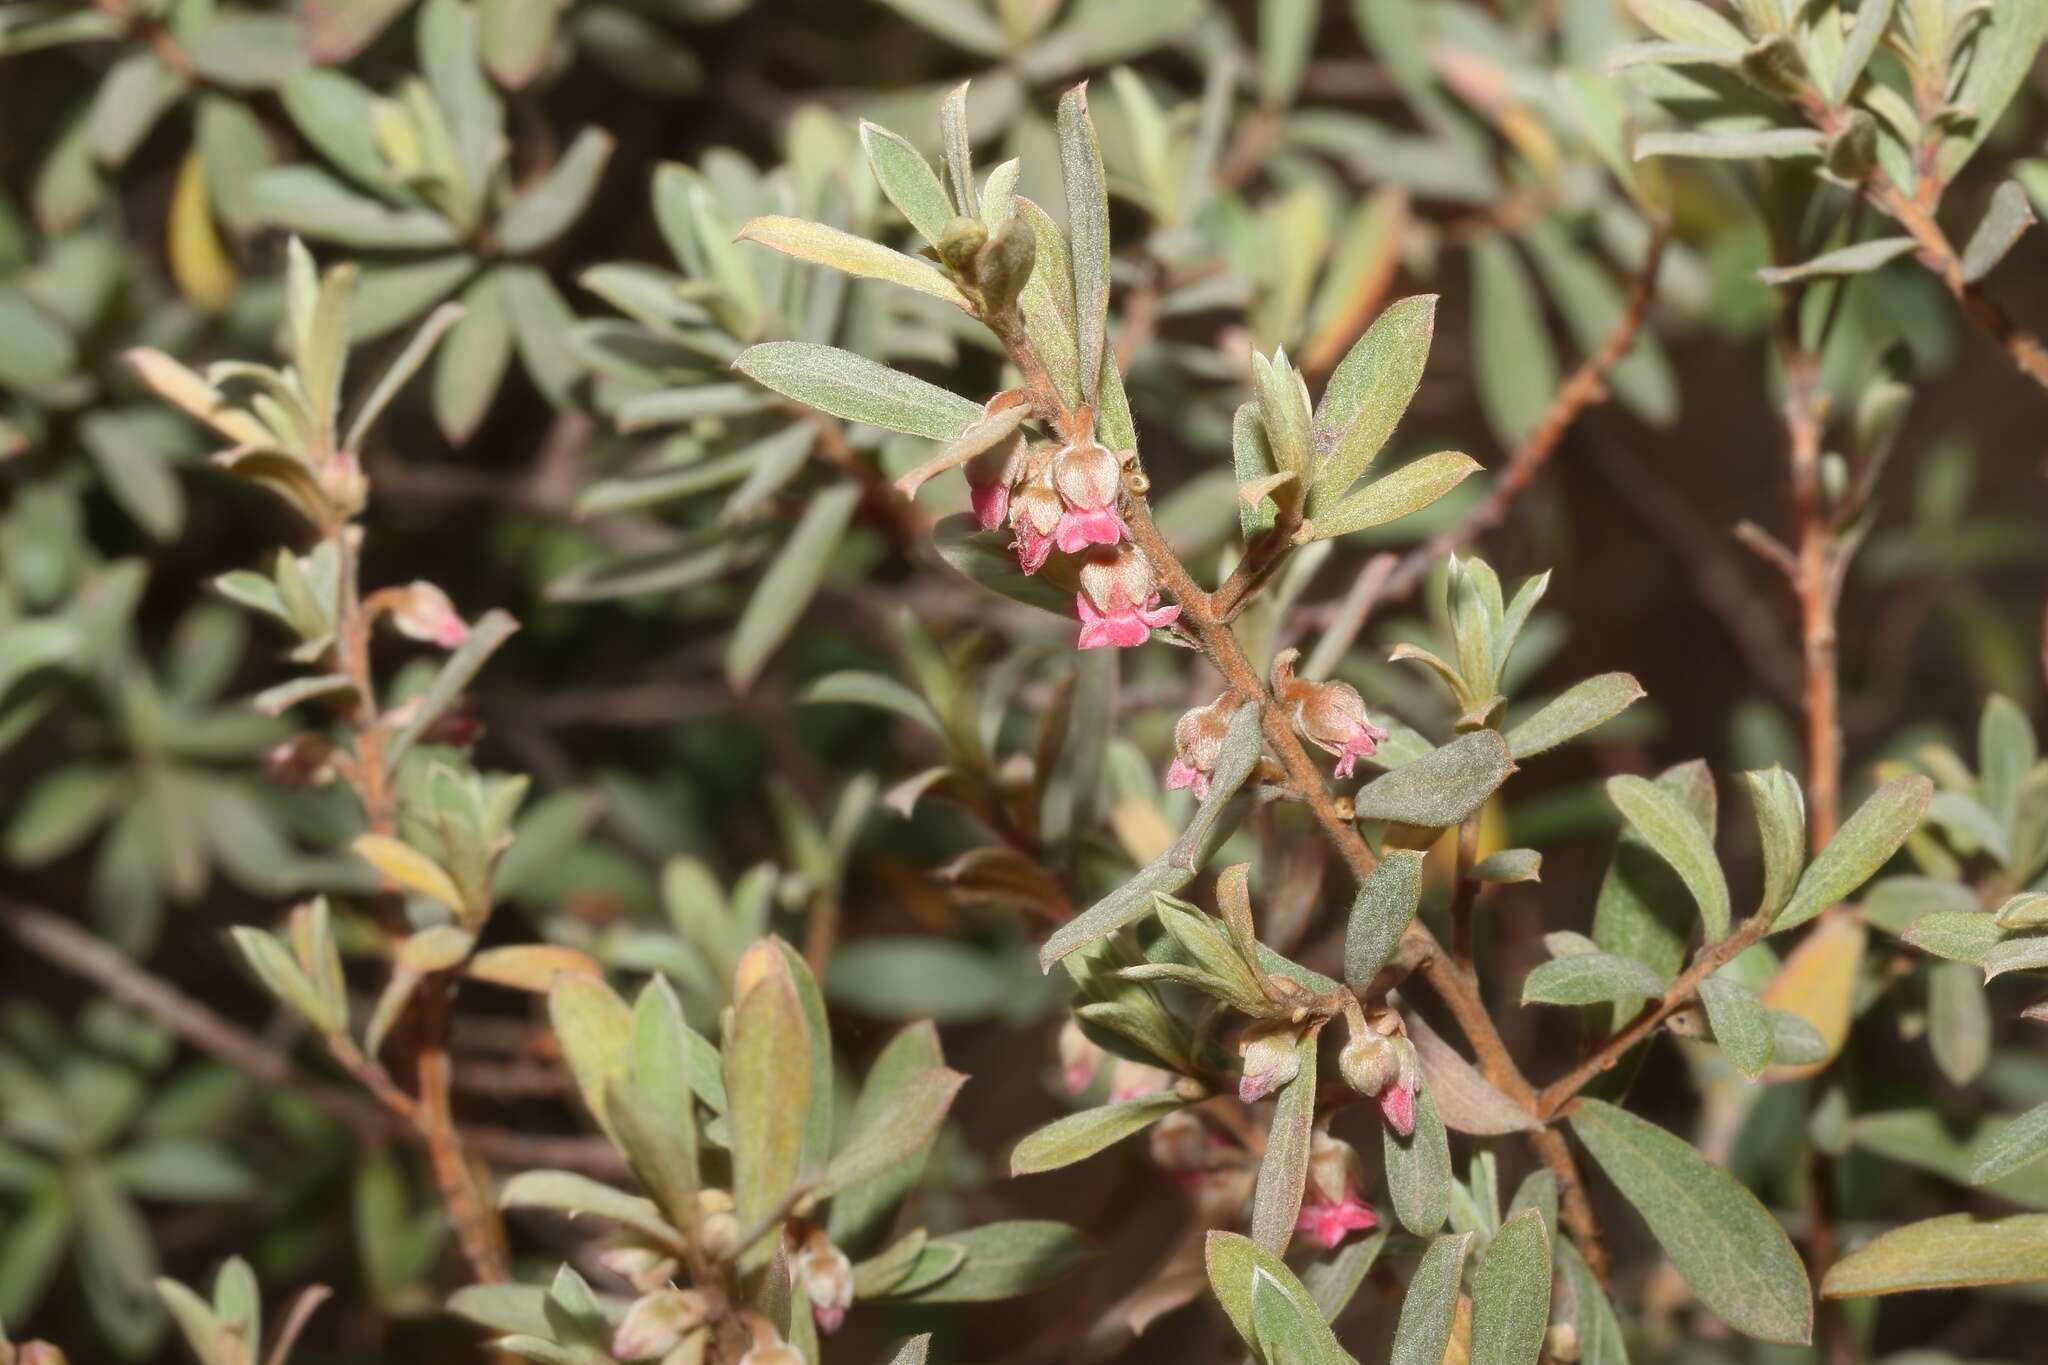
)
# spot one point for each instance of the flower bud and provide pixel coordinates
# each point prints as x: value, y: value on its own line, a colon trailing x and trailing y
x: 718, y: 1227
x: 990, y: 476
x: 1035, y: 511
x: 1080, y: 1058
x: 422, y: 611
x: 768, y: 1346
x: 1198, y: 743
x: 657, y: 1323
x: 1329, y: 715
x: 1129, y: 1080
x: 1270, y: 1061
x: 1561, y: 1343
x: 642, y: 1267
x: 823, y: 1271
x: 958, y: 243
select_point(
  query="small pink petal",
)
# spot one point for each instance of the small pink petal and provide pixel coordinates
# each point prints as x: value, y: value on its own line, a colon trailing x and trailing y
x: 1081, y: 527
x: 1180, y: 775
x: 1077, y: 1077
x: 1159, y: 616
x: 1032, y: 549
x: 1327, y: 1224
x: 1253, y: 1087
x: 1397, y: 1107
x: 991, y: 503
x: 827, y: 1317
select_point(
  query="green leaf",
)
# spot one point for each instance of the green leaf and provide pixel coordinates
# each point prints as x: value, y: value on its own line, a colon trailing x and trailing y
x: 1002, y: 1261
x: 1679, y: 839
x: 768, y: 1085
x: 1579, y: 708
x: 1954, y: 1252
x: 1957, y: 935
x: 1077, y: 1137
x: 1765, y: 145
x: 2015, y: 955
x: 1958, y: 1021
x: 1849, y: 260
x: 828, y: 246
x: 1688, y: 21
x: 61, y: 811
x: 311, y: 203
x: 861, y: 1211
x: 914, y: 1350
x: 1873, y: 17
x: 1367, y: 394
x: 2003, y: 47
x: 857, y: 389
x: 194, y: 1318
x: 1740, y: 1025
x: 1419, y: 1169
x: 1430, y: 1307
x: 967, y: 27
x: 541, y: 324
x: 1509, y: 865
x: 1390, y: 497
x: 909, y: 181
x: 1380, y: 914
x: 595, y: 1031
x: 1335, y: 1281
x: 1283, y: 1170
x: 1088, y: 226
x: 1511, y: 1293
x: 2018, y: 1144
x: 903, y: 1130
x: 544, y: 212
x: 2007, y: 218
x: 575, y: 1194
x: 1781, y: 833
x: 1516, y: 363
x: 1589, y: 978
x: 1241, y: 1273
x: 792, y: 579
x: 400, y: 373
x: 1865, y: 843
x: 1441, y: 788
x: 489, y: 631
x: 1725, y: 1244
x: 2006, y: 752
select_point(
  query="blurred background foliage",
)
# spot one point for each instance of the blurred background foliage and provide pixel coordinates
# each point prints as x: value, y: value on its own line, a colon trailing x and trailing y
x: 709, y: 760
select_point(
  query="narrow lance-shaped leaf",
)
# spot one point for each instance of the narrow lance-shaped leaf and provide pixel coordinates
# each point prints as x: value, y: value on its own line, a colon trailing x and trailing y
x: 1088, y: 224
x: 768, y: 1086
x: 1380, y: 914
x: 1954, y: 1252
x: 901, y: 1131
x: 1740, y: 1024
x: 1430, y: 1308
x: 1419, y: 1169
x: 1283, y: 1171
x: 1406, y: 490
x: 1679, y: 840
x: 1859, y: 259
x: 857, y: 389
x: 1726, y: 1246
x: 1442, y: 787
x: 792, y: 579
x: 1781, y: 831
x: 2017, y: 1145
x: 2009, y: 216
x: 1579, y: 708
x: 1589, y: 978
x: 1368, y: 392
x: 821, y: 244
x: 1240, y: 1270
x: 1865, y: 843
x: 1511, y: 1293
x: 1080, y: 1136
x: 909, y: 181
x: 492, y: 629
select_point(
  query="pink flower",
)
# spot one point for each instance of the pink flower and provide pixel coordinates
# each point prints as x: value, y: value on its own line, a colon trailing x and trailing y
x: 1035, y: 512
x: 1326, y: 1223
x: 1119, y: 603
x: 1031, y: 548
x: 1088, y: 479
x: 1329, y: 715
x: 423, y: 612
x: 1080, y: 1058
x: 824, y: 1272
x: 991, y: 503
x: 1271, y: 1060
x: 1397, y: 1107
x: 1198, y: 743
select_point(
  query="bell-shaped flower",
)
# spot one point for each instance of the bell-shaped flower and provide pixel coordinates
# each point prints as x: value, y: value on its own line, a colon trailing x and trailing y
x: 657, y: 1323
x: 1330, y: 1206
x: 1088, y: 479
x: 824, y: 1272
x: 1198, y: 743
x: 1329, y: 715
x: 1119, y: 600
x: 421, y: 611
x: 1035, y: 512
x: 990, y: 477
x: 1378, y: 1060
x: 1270, y: 1060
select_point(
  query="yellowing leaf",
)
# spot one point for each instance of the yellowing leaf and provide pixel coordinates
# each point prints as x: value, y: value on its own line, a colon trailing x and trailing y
x: 1818, y: 983
x: 529, y: 966
x: 199, y: 263
x: 415, y: 871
